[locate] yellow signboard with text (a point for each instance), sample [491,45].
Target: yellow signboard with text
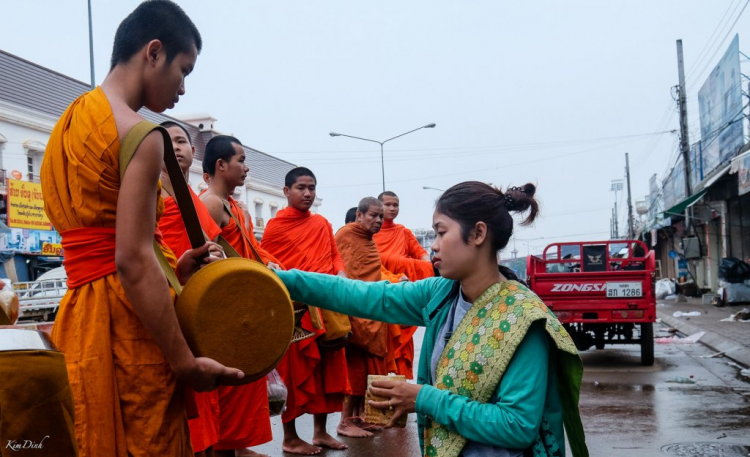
[26,206]
[52,249]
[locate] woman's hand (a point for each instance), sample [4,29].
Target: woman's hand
[195,259]
[401,397]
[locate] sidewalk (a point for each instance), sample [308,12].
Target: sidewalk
[732,338]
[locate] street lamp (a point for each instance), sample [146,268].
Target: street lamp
[433,188]
[381,143]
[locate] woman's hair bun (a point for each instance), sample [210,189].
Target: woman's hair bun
[520,199]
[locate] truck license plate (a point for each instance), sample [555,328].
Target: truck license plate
[624,289]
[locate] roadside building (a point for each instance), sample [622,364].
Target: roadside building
[32,98]
[694,221]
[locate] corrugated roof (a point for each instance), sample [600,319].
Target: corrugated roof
[37,88]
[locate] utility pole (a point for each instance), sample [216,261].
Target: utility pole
[616,187]
[91,49]
[684,140]
[630,205]
[617,228]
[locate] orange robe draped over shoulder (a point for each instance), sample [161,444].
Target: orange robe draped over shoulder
[367,350]
[401,253]
[244,416]
[316,380]
[127,402]
[204,429]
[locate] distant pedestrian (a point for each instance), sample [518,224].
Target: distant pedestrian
[351,215]
[498,373]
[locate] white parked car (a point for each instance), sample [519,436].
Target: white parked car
[40,299]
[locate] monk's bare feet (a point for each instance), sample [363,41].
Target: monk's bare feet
[347,428]
[247,453]
[364,425]
[326,440]
[300,447]
[368,426]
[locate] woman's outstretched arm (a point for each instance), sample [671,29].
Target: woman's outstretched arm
[400,303]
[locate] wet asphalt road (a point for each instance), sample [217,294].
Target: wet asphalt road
[627,409]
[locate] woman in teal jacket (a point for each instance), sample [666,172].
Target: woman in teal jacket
[498,374]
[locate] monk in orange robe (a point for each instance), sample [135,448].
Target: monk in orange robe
[367,351]
[401,253]
[244,416]
[204,420]
[316,378]
[116,325]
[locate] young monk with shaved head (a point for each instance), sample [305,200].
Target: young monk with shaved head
[203,407]
[315,375]
[116,324]
[400,252]
[243,410]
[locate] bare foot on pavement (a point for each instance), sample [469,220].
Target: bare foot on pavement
[300,447]
[347,428]
[328,441]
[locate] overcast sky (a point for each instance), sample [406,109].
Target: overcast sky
[553,93]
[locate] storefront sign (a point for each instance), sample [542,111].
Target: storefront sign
[26,241]
[721,112]
[26,206]
[52,249]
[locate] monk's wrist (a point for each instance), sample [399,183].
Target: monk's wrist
[183,363]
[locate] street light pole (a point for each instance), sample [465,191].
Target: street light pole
[91,49]
[381,143]
[433,188]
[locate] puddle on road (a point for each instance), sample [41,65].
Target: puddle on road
[711,407]
[611,387]
[706,449]
[648,410]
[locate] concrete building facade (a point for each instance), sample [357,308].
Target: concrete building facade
[32,98]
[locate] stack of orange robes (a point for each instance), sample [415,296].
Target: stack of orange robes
[204,428]
[127,402]
[244,416]
[401,253]
[317,381]
[367,350]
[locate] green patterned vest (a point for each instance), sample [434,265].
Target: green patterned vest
[476,356]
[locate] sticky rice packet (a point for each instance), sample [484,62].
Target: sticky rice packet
[381,416]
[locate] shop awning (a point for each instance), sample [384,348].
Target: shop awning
[712,180]
[679,209]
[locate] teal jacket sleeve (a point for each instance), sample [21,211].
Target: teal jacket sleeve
[513,422]
[400,303]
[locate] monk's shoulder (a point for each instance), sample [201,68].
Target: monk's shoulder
[321,221]
[406,231]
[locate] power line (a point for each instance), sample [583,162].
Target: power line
[703,54]
[478,170]
[511,147]
[720,43]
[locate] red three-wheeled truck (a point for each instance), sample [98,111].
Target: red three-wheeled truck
[602,291]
